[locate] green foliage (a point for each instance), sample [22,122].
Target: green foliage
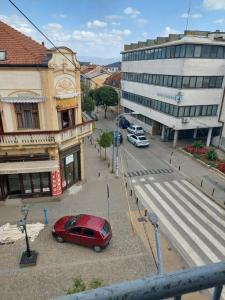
[197,144]
[105,140]
[106,96]
[211,155]
[88,104]
[96,283]
[78,286]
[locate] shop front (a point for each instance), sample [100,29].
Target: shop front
[26,179]
[70,166]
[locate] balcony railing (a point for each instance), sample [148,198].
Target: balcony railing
[45,137]
[168,285]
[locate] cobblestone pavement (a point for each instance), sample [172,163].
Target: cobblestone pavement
[127,257]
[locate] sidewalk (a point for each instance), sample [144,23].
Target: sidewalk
[128,256]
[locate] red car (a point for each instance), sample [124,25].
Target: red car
[85,230]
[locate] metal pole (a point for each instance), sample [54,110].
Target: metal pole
[113,152]
[159,256]
[27,241]
[117,150]
[217,292]
[108,199]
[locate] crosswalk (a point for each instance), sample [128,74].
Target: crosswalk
[193,222]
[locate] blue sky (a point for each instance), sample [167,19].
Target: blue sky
[100,28]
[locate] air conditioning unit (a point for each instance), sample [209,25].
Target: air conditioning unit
[185,120]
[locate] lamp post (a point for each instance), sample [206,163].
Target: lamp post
[154,220]
[28,257]
[117,137]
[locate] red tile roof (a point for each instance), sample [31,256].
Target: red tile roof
[19,48]
[114,80]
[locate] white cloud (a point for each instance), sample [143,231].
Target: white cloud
[19,23]
[219,21]
[61,16]
[142,21]
[82,35]
[56,33]
[115,23]
[192,16]
[52,26]
[113,17]
[144,34]
[132,12]
[96,24]
[214,4]
[169,30]
[124,32]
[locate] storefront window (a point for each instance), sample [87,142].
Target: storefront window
[14,184]
[45,181]
[26,183]
[36,182]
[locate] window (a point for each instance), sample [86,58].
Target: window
[213,53]
[192,111]
[2,55]
[182,51]
[197,51]
[163,52]
[27,115]
[105,229]
[181,111]
[206,51]
[192,81]
[204,110]
[212,82]
[170,78]
[219,81]
[174,83]
[165,80]
[199,82]
[185,83]
[187,111]
[168,52]
[189,51]
[220,52]
[179,82]
[177,51]
[75,230]
[205,82]
[214,110]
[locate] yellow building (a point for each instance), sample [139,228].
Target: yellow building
[41,123]
[96,77]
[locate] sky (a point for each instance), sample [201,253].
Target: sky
[100,28]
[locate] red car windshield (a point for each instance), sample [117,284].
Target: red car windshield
[71,222]
[105,229]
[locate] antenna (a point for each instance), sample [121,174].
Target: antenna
[188,14]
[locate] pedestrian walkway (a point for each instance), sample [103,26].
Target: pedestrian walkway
[188,217]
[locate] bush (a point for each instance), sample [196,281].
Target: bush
[194,150]
[211,155]
[197,144]
[96,283]
[221,167]
[78,286]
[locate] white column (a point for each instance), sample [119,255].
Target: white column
[176,132]
[195,133]
[163,133]
[209,137]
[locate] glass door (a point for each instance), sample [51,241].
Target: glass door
[70,174]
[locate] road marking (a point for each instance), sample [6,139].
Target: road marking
[142,180]
[175,233]
[183,225]
[133,157]
[195,223]
[151,178]
[199,213]
[208,200]
[133,180]
[196,200]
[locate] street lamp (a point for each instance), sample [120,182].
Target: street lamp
[117,137]
[28,257]
[154,220]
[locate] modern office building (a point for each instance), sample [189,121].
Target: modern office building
[176,85]
[41,123]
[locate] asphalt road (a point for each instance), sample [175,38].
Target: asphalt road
[192,222]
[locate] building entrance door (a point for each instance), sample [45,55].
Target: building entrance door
[3,187]
[69,174]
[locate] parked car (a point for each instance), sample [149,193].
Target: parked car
[123,122]
[135,129]
[117,137]
[86,230]
[138,140]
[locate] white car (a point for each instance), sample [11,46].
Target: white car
[138,140]
[135,129]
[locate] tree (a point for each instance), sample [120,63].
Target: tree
[88,104]
[105,140]
[106,96]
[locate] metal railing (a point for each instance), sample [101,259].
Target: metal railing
[163,286]
[45,137]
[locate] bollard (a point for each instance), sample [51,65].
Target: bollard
[126,185]
[130,192]
[46,215]
[99,174]
[201,182]
[213,191]
[146,211]
[137,200]
[109,165]
[179,168]
[170,160]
